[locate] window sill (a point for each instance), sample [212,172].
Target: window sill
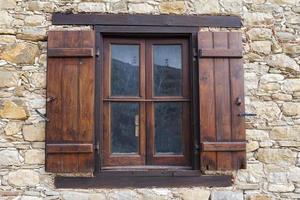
[142,179]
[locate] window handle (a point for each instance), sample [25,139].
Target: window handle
[137,125]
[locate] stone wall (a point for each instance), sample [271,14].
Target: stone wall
[272,84]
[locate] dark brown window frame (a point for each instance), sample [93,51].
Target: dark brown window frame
[146,25]
[141,31]
[146,106]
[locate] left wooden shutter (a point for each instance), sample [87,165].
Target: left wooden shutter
[70,101]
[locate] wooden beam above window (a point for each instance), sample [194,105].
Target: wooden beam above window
[146,20]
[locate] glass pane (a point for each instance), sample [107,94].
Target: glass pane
[123,127]
[167,70]
[168,123]
[125,70]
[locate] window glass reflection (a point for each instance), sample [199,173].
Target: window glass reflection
[167,70]
[125,70]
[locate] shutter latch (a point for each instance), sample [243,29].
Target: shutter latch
[246,114]
[40,114]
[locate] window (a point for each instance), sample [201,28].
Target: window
[144,101]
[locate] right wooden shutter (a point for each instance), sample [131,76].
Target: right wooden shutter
[221,91]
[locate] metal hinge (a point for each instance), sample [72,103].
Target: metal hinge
[199,52]
[97,52]
[195,53]
[197,148]
[97,146]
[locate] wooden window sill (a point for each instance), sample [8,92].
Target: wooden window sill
[142,179]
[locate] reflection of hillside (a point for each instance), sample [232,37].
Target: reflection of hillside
[168,127]
[167,80]
[125,81]
[123,129]
[125,78]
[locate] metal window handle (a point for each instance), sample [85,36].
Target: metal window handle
[137,125]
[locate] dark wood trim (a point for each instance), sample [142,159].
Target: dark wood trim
[98,103]
[147,100]
[150,168]
[195,101]
[145,20]
[220,53]
[152,30]
[223,146]
[70,52]
[143,179]
[69,148]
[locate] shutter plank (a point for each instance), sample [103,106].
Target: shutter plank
[70,148]
[70,111]
[70,52]
[207,91]
[222,90]
[54,81]
[86,102]
[70,93]
[223,146]
[74,114]
[222,53]
[237,90]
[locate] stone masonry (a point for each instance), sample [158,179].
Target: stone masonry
[271,43]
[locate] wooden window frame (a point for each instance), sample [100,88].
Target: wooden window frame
[122,159]
[190,33]
[161,26]
[146,100]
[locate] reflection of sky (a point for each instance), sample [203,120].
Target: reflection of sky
[167,55]
[126,53]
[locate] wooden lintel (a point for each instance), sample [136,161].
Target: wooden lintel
[146,20]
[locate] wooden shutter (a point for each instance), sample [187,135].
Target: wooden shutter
[70,101]
[221,90]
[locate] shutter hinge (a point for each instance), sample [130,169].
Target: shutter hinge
[197,148]
[97,146]
[199,52]
[97,52]
[195,53]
